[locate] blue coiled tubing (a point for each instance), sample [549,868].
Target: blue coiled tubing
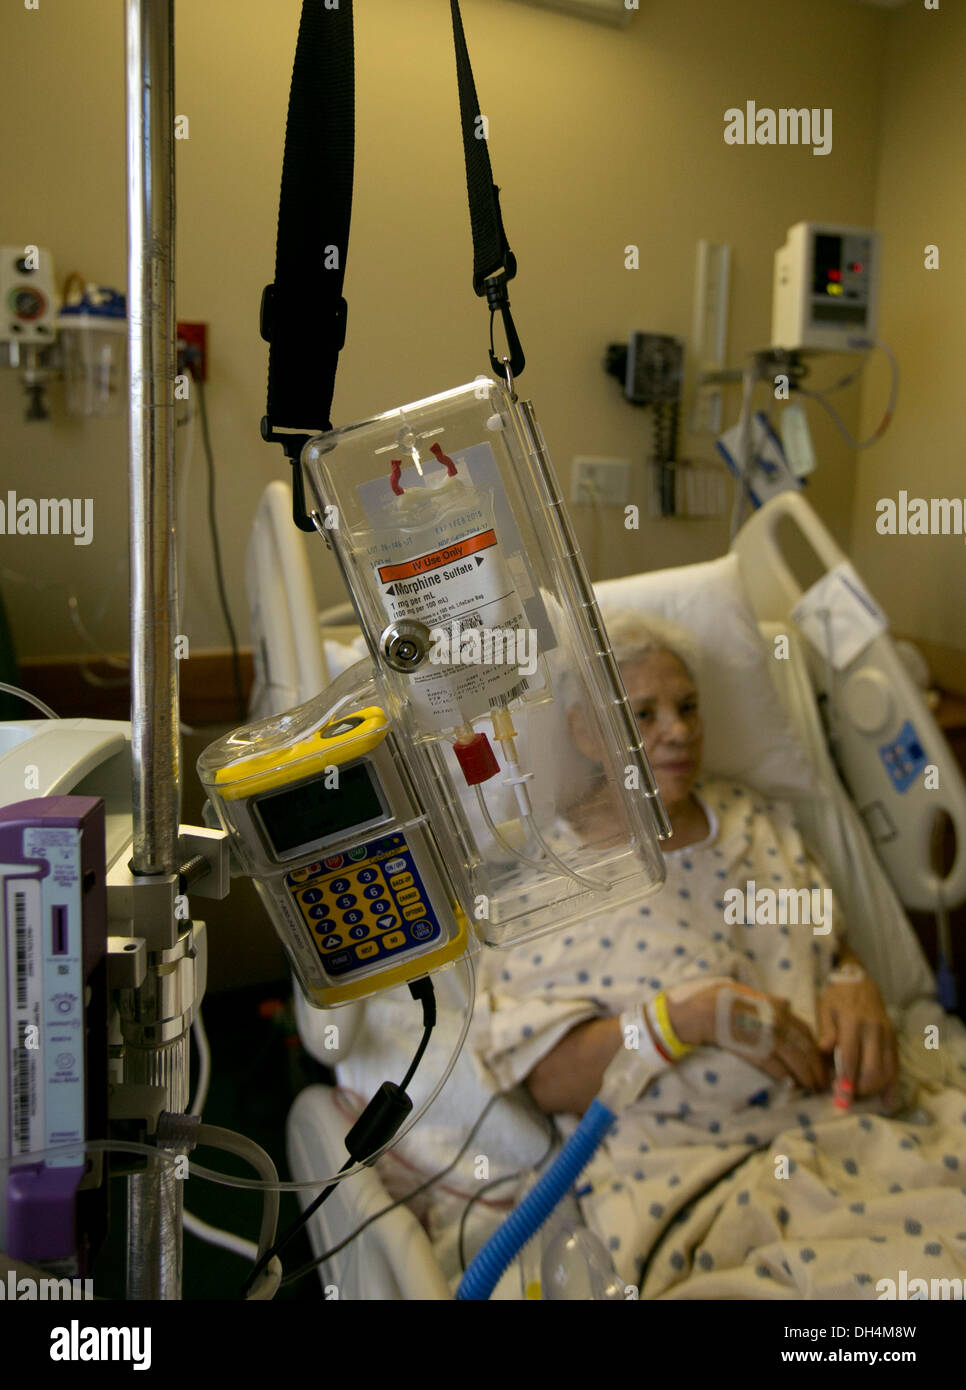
[484,1271]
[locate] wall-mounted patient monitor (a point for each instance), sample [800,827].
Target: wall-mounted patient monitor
[825,288]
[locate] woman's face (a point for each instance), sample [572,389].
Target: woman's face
[664,699]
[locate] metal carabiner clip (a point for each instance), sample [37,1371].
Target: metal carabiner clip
[495,288]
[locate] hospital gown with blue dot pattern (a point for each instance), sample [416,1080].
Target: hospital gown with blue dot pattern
[818,1213]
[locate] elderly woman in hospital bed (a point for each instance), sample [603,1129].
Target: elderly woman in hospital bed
[733,1173]
[762,1045]
[728,834]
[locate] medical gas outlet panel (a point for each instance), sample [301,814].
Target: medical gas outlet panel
[27,296]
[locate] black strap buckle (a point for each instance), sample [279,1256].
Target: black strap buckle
[337,323]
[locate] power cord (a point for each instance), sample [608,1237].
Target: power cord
[216,548]
[374,1128]
[407,1197]
[839,423]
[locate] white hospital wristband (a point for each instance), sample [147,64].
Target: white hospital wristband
[635,1065]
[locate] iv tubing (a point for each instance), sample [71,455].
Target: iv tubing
[250,1184]
[31,699]
[505,734]
[555,858]
[486,1268]
[499,837]
[531,825]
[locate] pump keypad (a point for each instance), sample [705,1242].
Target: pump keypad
[364,906]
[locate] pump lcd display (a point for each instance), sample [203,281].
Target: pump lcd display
[304,816]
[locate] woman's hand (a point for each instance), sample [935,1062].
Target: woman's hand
[853,1019]
[697,1016]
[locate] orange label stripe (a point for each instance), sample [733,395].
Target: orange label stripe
[422,563]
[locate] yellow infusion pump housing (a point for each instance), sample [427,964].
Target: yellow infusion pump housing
[328,825]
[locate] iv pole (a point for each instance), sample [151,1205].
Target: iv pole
[155,1024]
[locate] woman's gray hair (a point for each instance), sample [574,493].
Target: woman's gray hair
[634,634]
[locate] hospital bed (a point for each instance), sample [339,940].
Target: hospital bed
[868,817]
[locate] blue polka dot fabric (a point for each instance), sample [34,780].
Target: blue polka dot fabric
[827,1205]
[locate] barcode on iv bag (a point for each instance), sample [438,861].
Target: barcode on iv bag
[514,693]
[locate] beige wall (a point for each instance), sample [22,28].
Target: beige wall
[921,580]
[599,138]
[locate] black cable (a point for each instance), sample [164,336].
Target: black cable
[375,1127]
[422,990]
[335,1249]
[216,550]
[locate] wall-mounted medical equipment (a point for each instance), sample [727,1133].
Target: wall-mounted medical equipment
[93,335]
[825,292]
[825,299]
[86,341]
[28,320]
[53,1028]
[709,342]
[650,366]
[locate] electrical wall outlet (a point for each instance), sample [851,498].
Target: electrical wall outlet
[603,481]
[193,350]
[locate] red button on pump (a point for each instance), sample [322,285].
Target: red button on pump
[477,759]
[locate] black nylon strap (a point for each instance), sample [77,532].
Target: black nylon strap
[303,312]
[490,249]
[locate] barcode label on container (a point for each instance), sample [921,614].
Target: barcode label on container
[24,985]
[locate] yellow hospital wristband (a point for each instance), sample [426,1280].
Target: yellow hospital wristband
[662,1019]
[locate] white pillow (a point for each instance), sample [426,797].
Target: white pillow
[343,650]
[747,734]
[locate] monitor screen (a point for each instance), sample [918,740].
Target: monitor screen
[313,812]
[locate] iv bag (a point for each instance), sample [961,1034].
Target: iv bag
[436,558]
[491,658]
